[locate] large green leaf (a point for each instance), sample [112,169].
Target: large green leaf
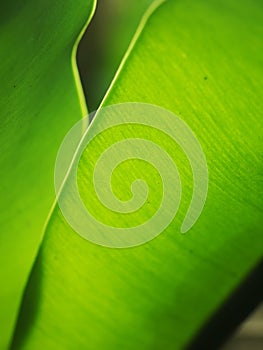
[202,60]
[39,102]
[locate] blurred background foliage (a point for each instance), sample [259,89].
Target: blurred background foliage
[105,43]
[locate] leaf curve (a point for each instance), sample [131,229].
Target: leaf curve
[188,59]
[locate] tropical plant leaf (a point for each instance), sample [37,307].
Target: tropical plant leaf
[202,60]
[39,102]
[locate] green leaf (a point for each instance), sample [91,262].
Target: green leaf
[39,102]
[203,61]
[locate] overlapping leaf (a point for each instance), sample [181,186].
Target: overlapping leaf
[39,102]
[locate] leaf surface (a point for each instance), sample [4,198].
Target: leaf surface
[39,102]
[202,60]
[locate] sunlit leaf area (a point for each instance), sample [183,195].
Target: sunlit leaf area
[131,207]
